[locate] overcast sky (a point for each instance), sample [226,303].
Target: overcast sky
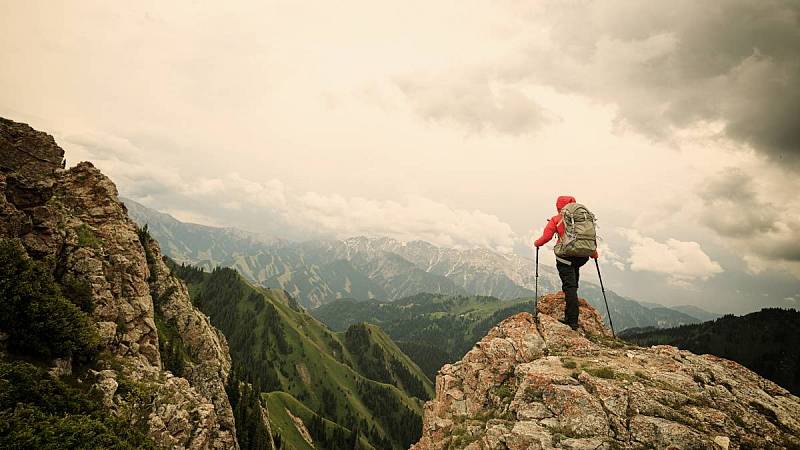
[677,123]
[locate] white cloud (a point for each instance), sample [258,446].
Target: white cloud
[301,215]
[414,218]
[757,264]
[192,217]
[683,262]
[608,255]
[270,194]
[475,102]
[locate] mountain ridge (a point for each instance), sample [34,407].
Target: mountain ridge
[322,271]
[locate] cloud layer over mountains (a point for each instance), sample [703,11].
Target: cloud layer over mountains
[457,123]
[273,208]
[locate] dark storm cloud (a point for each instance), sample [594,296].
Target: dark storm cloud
[672,64]
[665,65]
[753,48]
[788,250]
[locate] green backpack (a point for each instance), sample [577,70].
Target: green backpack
[580,236]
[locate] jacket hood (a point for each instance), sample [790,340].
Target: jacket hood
[563,201]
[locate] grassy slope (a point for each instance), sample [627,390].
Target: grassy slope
[267,331]
[277,405]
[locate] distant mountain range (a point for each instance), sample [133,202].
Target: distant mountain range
[383,269]
[695,311]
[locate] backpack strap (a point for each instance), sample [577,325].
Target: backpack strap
[563,261]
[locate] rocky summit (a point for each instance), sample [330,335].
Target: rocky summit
[537,384]
[71,221]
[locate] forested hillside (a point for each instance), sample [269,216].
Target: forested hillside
[767,342]
[344,387]
[431,329]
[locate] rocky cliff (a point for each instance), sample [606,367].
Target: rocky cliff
[72,221]
[536,384]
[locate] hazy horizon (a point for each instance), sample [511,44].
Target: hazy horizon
[457,123]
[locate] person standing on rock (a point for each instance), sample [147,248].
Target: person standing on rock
[576,244]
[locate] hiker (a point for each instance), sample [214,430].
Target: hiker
[569,250]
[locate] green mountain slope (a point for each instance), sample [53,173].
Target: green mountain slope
[378,358]
[767,342]
[328,281]
[432,329]
[318,432]
[357,379]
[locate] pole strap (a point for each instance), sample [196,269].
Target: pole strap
[563,261]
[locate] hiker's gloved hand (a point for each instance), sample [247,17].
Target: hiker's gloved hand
[595,255]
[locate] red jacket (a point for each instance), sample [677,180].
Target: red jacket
[556,225]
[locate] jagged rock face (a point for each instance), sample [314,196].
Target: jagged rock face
[211,360]
[27,152]
[530,385]
[74,220]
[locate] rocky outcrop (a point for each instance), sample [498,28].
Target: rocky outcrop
[589,319]
[73,220]
[209,359]
[538,385]
[301,427]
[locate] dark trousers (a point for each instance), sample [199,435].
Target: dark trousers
[570,274]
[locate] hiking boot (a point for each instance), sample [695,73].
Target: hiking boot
[574,326]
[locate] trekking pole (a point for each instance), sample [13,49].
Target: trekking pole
[608,311]
[536,298]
